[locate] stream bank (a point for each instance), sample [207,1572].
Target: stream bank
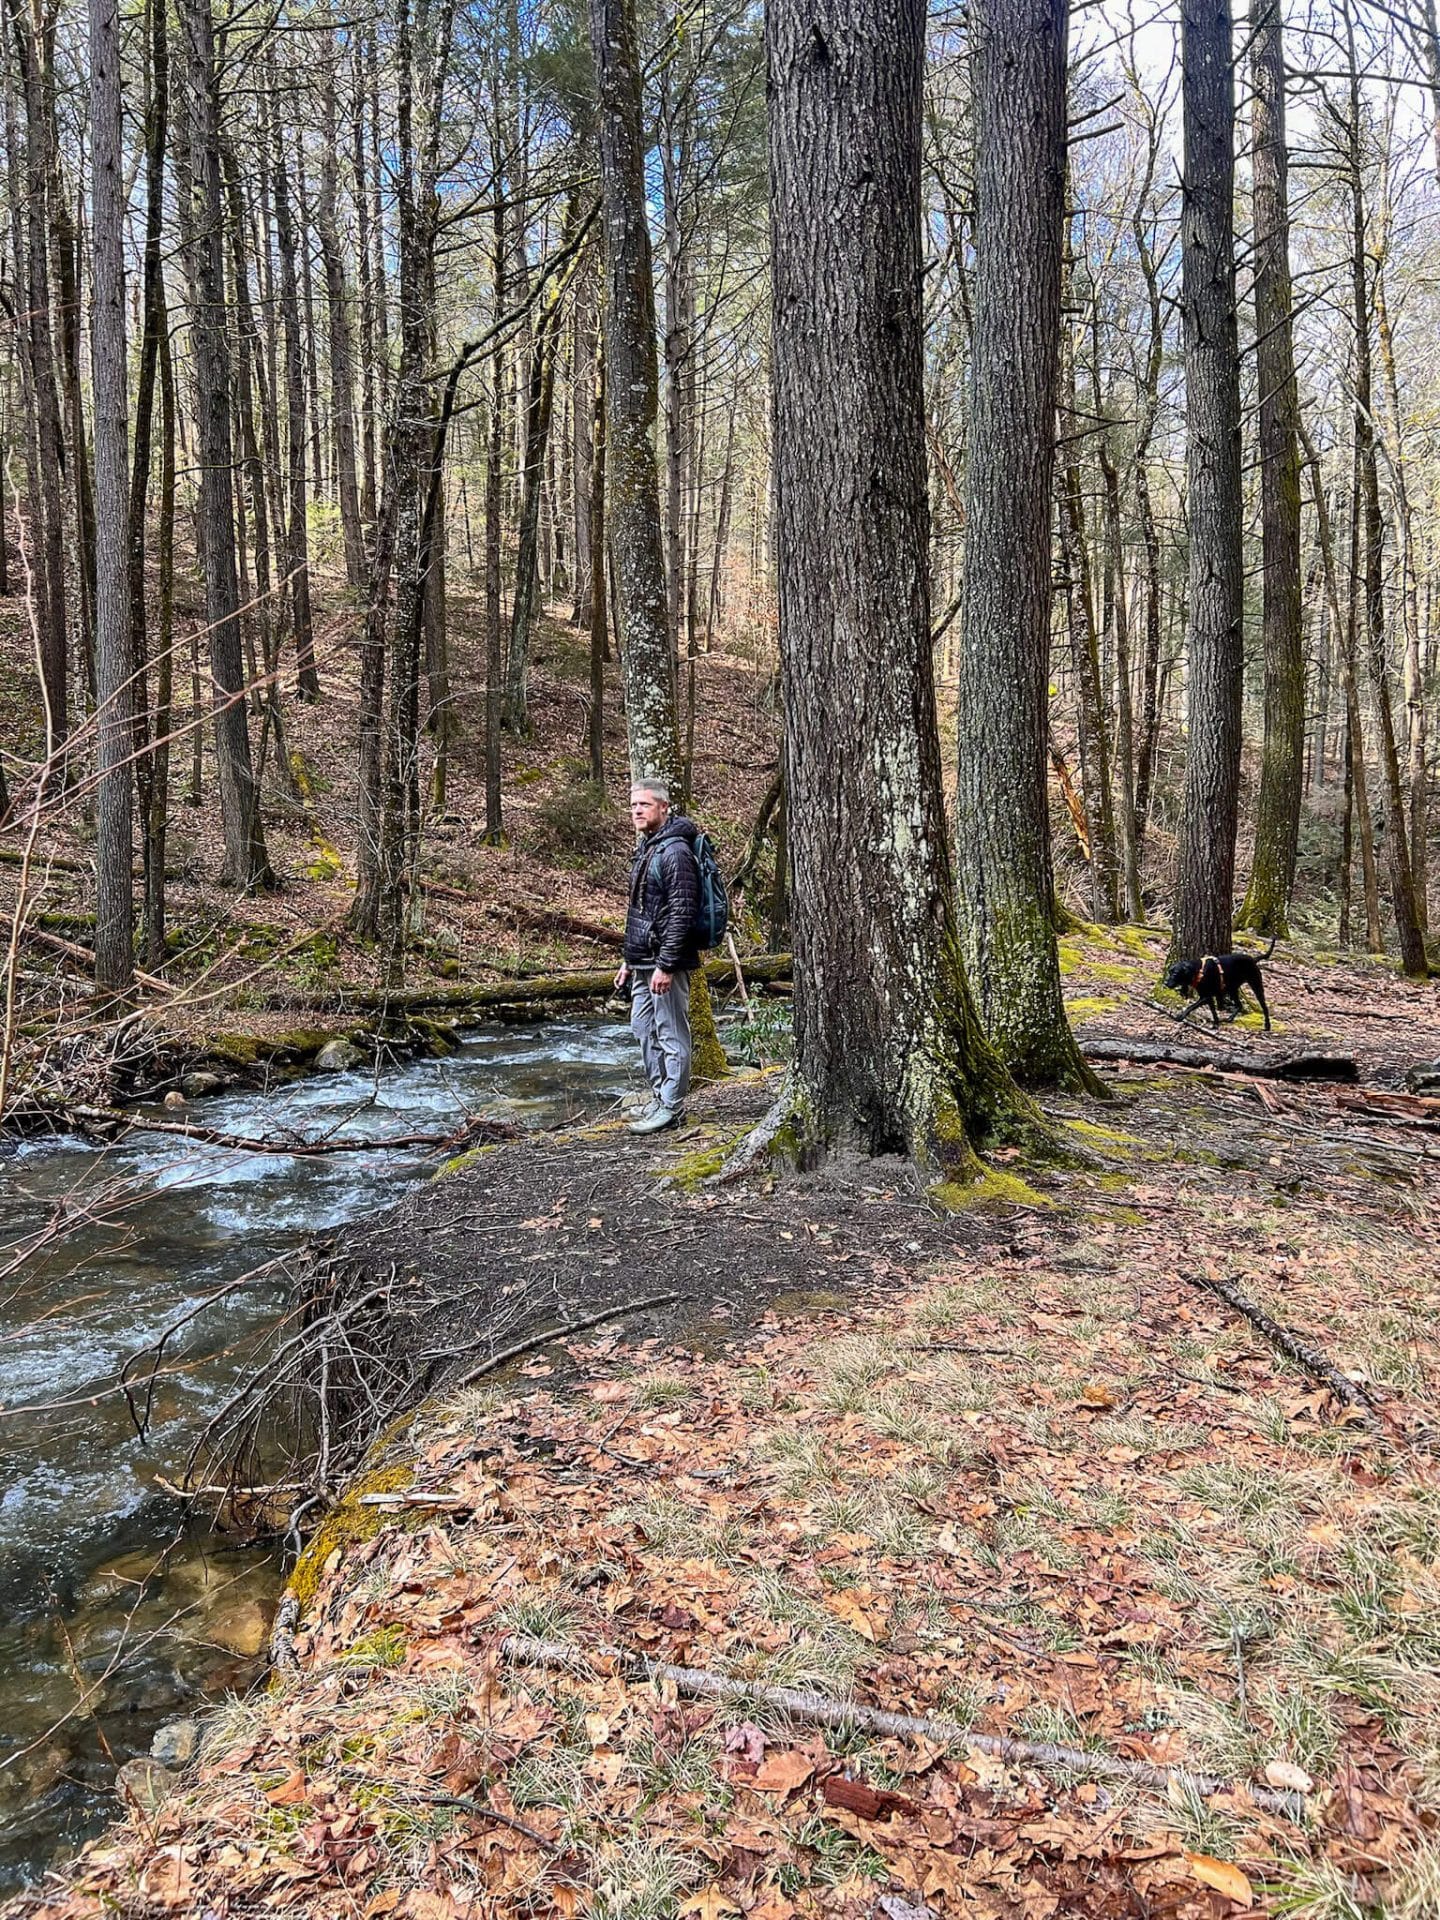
[114,1596]
[1008,1471]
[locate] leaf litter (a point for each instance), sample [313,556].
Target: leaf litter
[1036,1484]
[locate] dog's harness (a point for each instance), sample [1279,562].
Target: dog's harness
[1208,961]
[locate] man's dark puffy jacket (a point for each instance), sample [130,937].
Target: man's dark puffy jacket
[664,906]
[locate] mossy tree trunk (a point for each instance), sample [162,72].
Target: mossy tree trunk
[1277,821]
[890,1054]
[1003,863]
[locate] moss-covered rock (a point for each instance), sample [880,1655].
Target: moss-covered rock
[347,1524]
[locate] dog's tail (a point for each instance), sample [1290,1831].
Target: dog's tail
[1271,948]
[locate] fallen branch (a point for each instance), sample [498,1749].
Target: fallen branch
[83,957]
[558,1333]
[459,1137]
[1293,1347]
[553,920]
[495,996]
[1294,1066]
[815,1709]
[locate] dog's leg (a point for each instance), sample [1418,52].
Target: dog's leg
[1259,993]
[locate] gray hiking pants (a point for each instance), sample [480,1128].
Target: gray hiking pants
[661,1023]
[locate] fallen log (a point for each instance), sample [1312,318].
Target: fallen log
[495,996]
[1293,1346]
[1292,1066]
[552,920]
[83,957]
[816,1709]
[88,1118]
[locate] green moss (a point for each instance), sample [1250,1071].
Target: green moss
[691,1170]
[1102,1136]
[1071,954]
[1113,1182]
[991,1187]
[383,1648]
[1112,970]
[458,1162]
[240,1049]
[347,1524]
[1091,1006]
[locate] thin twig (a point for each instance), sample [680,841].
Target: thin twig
[559,1333]
[1293,1347]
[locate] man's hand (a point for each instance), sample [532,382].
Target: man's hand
[660,981]
[622,974]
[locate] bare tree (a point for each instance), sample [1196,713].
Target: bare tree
[1277,822]
[114,889]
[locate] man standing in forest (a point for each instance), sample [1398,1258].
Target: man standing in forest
[661,950]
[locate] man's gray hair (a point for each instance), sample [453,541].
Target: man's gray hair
[657,789]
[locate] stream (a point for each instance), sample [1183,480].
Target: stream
[117,1611]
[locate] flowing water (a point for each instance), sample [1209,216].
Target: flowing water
[116,1613]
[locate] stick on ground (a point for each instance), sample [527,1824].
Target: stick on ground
[815,1709]
[1293,1347]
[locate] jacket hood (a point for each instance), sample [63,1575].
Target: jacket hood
[678,827]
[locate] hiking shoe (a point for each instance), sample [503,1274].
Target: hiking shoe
[656,1120]
[638,1105]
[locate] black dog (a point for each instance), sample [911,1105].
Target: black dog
[1216,980]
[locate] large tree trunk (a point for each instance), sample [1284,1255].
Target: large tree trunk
[1204,892]
[1277,822]
[47,507]
[494,501]
[246,864]
[889,1051]
[114,887]
[151,750]
[1002,833]
[582,400]
[637,554]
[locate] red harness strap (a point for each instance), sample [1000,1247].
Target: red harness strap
[1209,960]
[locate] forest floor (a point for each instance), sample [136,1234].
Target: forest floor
[1015,1470]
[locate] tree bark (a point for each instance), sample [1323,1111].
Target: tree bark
[889,1050]
[1277,822]
[582,394]
[595,498]
[1204,893]
[637,554]
[337,311]
[1002,838]
[247,864]
[1397,839]
[297,539]
[152,754]
[47,498]
[494,500]
[114,886]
